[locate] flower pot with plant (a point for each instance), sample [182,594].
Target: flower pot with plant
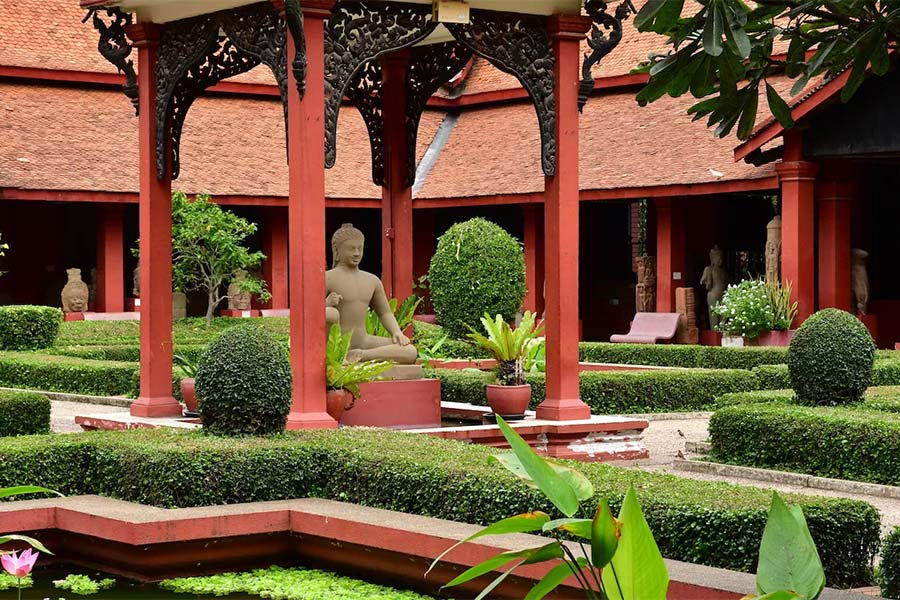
[187,368]
[754,312]
[342,377]
[510,347]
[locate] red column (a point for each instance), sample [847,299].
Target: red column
[561,204]
[670,236]
[275,247]
[396,195]
[798,225]
[833,198]
[155,213]
[306,226]
[533,243]
[110,260]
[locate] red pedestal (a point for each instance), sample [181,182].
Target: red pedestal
[670,236]
[409,404]
[155,399]
[275,247]
[833,198]
[871,323]
[239,314]
[73,316]
[561,205]
[110,260]
[306,227]
[533,225]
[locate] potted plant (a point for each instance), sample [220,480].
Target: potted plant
[756,313]
[510,396]
[783,314]
[342,377]
[188,370]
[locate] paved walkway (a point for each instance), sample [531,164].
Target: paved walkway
[62,414]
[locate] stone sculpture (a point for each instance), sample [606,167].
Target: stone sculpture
[859,279]
[645,291]
[715,280]
[350,293]
[773,251]
[136,282]
[686,305]
[75,294]
[238,299]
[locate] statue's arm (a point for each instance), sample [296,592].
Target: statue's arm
[705,279]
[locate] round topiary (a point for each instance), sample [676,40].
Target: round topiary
[243,383]
[890,565]
[478,267]
[28,327]
[830,359]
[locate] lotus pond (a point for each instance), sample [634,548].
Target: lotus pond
[274,583]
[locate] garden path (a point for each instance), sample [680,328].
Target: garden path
[62,414]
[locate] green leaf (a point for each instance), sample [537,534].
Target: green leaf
[647,13]
[748,116]
[637,566]
[581,485]
[857,75]
[22,538]
[779,108]
[605,533]
[579,527]
[530,556]
[779,595]
[524,523]
[552,580]
[881,62]
[788,559]
[713,30]
[25,489]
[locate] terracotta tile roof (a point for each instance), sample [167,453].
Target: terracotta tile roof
[79,139]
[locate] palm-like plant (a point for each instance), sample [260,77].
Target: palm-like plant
[343,375]
[508,346]
[404,313]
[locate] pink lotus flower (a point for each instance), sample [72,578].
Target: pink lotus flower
[19,565]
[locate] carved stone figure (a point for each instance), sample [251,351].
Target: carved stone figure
[686,305]
[773,251]
[645,291]
[238,299]
[75,294]
[136,281]
[350,293]
[179,305]
[715,280]
[859,279]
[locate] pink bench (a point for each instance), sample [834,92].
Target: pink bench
[650,328]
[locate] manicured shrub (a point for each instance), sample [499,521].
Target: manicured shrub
[610,392]
[889,578]
[478,267]
[122,352]
[711,523]
[244,383]
[67,374]
[757,397]
[772,377]
[830,359]
[28,327]
[191,331]
[677,355]
[24,413]
[847,443]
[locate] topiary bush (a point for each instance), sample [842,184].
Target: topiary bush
[830,359]
[28,327]
[24,413]
[889,578]
[244,383]
[477,268]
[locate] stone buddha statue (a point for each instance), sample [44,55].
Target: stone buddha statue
[715,280]
[350,293]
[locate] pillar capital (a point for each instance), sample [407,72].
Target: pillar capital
[143,35]
[797,170]
[568,26]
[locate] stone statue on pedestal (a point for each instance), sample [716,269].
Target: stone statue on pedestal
[350,293]
[859,279]
[239,299]
[136,282]
[75,294]
[645,291]
[773,251]
[715,280]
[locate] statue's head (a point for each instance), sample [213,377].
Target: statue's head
[347,246]
[715,256]
[74,274]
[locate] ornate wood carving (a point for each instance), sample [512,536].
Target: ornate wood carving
[356,33]
[197,53]
[366,91]
[115,47]
[601,41]
[429,68]
[519,45]
[294,19]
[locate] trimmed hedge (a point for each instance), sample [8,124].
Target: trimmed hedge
[67,374]
[889,578]
[610,392]
[710,523]
[185,331]
[25,327]
[777,377]
[678,355]
[122,352]
[23,413]
[842,442]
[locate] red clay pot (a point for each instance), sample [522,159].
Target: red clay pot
[773,338]
[338,401]
[509,401]
[188,395]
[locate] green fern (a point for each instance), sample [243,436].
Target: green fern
[508,346]
[342,375]
[404,315]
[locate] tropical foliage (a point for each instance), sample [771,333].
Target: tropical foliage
[404,314]
[341,374]
[508,346]
[753,307]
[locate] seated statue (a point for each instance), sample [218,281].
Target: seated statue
[350,293]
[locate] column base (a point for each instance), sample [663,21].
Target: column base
[301,421]
[572,409]
[239,314]
[166,406]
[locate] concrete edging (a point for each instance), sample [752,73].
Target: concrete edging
[121,402]
[786,477]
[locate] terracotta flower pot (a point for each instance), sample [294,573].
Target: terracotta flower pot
[338,401]
[773,338]
[509,401]
[188,395]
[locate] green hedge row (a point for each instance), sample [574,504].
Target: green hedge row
[27,327]
[68,374]
[855,443]
[709,523]
[776,377]
[610,392]
[184,331]
[23,413]
[675,355]
[122,352]
[889,578]
[883,399]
